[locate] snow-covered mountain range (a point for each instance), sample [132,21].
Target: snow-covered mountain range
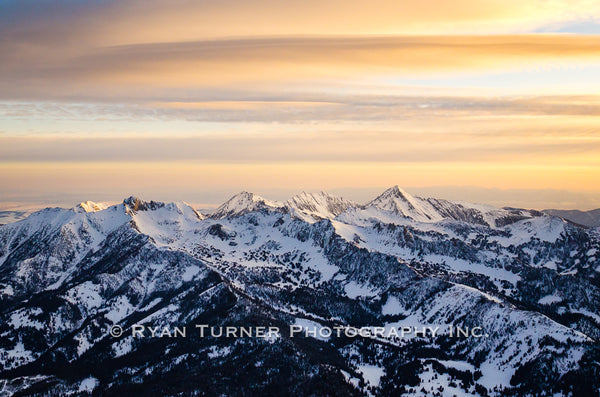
[528,279]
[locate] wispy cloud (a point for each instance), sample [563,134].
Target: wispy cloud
[303,107]
[154,70]
[542,145]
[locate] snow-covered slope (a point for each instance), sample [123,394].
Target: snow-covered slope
[316,206]
[242,203]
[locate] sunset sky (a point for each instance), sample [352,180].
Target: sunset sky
[493,101]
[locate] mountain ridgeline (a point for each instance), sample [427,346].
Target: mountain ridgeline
[528,282]
[586,218]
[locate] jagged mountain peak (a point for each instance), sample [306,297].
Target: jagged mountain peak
[320,196]
[395,191]
[243,203]
[245,196]
[307,195]
[134,203]
[398,201]
[318,205]
[90,206]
